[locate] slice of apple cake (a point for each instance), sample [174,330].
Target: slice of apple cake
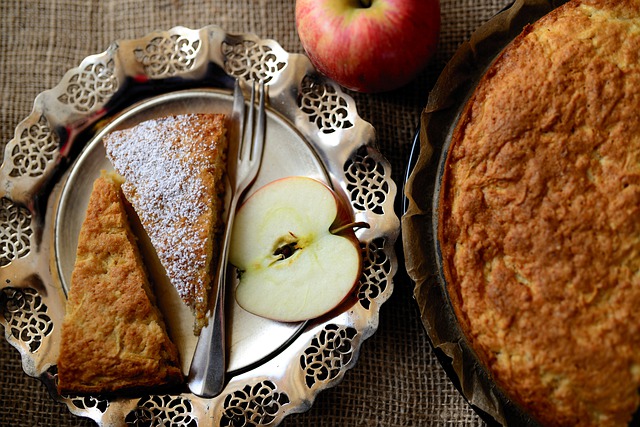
[173,169]
[113,336]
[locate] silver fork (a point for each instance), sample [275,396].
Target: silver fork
[208,366]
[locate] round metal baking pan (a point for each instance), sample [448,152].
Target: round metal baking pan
[420,221]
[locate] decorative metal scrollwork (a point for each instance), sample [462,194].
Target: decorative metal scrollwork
[330,350]
[83,403]
[33,149]
[26,316]
[366,182]
[15,232]
[162,411]
[255,405]
[89,402]
[91,87]
[323,105]
[252,61]
[376,272]
[168,56]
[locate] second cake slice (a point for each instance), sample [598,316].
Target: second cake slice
[173,169]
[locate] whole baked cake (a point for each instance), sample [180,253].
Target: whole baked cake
[174,170]
[539,216]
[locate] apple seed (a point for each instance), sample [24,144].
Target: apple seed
[285,251]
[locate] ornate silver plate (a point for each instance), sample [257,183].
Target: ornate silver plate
[46,175]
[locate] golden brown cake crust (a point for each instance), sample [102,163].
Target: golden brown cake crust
[540,216]
[173,169]
[113,336]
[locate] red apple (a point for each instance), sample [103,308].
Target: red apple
[369,45]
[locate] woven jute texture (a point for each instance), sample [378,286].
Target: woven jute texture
[397,380]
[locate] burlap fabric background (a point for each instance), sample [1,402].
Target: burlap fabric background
[397,380]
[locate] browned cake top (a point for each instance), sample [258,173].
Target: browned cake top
[540,216]
[173,169]
[113,336]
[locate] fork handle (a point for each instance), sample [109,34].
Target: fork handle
[210,354]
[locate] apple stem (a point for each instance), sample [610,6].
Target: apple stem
[355,225]
[365,3]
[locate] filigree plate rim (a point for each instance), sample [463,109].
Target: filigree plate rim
[47,140]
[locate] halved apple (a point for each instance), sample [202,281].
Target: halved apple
[294,245]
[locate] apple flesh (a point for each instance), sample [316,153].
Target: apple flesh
[369,45]
[292,267]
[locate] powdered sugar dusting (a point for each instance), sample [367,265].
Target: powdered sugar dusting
[164,163]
